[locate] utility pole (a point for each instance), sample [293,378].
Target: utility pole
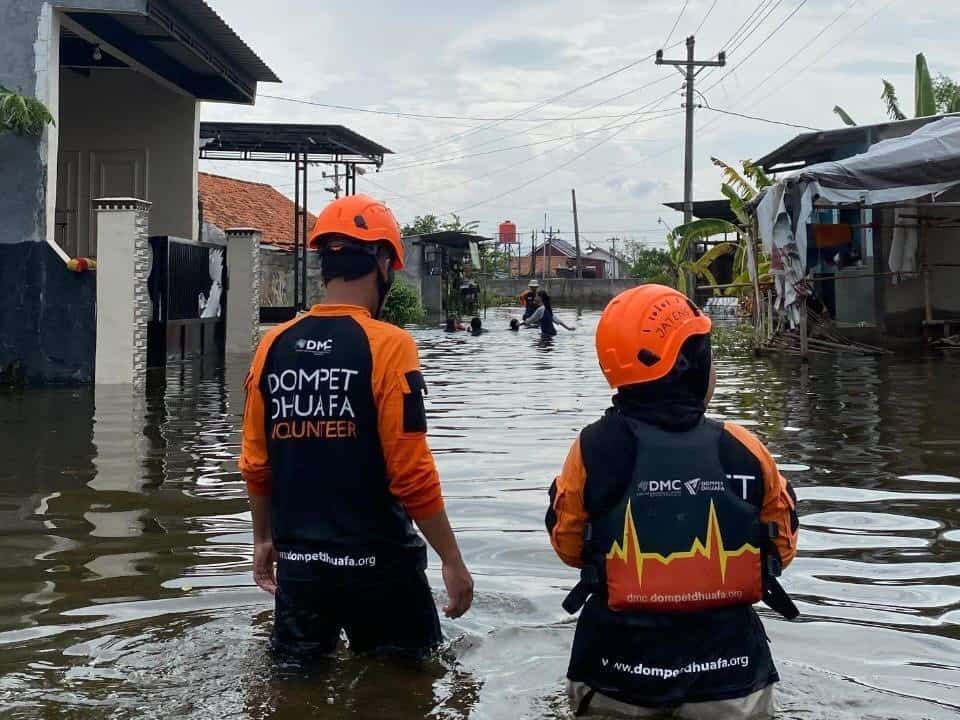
[576,233]
[690,68]
[546,255]
[613,257]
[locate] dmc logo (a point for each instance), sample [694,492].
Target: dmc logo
[665,486]
[317,347]
[692,485]
[643,486]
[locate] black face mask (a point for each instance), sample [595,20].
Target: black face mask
[383,288]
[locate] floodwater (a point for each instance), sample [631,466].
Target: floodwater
[125,589]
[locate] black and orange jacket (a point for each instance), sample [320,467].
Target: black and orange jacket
[334,432]
[577,493]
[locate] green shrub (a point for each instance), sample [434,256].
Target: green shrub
[403,306]
[22,115]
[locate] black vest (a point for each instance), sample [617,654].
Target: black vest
[331,500]
[674,559]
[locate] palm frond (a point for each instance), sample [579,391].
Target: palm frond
[889,97]
[737,206]
[847,120]
[924,96]
[709,257]
[732,177]
[755,172]
[954,105]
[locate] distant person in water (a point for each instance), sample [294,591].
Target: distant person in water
[454,324]
[528,298]
[544,318]
[476,326]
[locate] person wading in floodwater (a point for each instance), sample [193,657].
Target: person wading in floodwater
[336,461]
[544,318]
[679,525]
[528,298]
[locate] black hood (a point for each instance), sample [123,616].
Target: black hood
[674,402]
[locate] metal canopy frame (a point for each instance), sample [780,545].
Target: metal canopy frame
[302,145]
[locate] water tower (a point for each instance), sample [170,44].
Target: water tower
[508,233]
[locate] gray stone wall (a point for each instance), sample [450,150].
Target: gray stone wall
[276,278]
[589,292]
[23,183]
[142,262]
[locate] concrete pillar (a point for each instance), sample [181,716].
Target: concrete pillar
[243,295]
[123,300]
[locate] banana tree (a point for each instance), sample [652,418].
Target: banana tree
[929,97]
[22,115]
[740,188]
[683,237]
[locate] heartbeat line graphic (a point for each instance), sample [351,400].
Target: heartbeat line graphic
[707,567]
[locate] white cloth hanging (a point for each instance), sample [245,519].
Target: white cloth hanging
[903,249]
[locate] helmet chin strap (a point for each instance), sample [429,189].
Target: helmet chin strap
[383,287]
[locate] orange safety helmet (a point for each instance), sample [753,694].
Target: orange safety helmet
[360,218]
[641,332]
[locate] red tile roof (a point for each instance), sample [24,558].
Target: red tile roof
[228,202]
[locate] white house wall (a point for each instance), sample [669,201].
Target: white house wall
[122,111]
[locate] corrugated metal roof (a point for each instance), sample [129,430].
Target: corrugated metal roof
[562,246]
[284,138]
[814,147]
[206,21]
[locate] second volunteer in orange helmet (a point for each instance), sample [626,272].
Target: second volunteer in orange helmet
[336,461]
[678,523]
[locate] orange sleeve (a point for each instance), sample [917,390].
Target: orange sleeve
[779,501]
[567,516]
[254,461]
[412,473]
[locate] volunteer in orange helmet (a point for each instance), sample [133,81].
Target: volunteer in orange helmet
[678,523]
[336,461]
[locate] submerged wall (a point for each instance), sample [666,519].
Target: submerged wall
[47,317]
[591,292]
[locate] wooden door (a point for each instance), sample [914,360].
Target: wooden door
[116,174]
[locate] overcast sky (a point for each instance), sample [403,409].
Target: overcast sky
[494,59]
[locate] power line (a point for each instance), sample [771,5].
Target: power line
[676,22]
[537,106]
[447,187]
[419,116]
[753,117]
[817,35]
[831,48]
[443,161]
[551,171]
[736,33]
[705,18]
[574,115]
[762,43]
[757,25]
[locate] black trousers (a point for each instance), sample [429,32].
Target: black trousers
[390,613]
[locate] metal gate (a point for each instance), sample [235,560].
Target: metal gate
[188,285]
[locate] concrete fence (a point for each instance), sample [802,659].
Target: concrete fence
[566,291]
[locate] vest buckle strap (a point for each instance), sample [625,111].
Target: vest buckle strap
[776,598]
[577,598]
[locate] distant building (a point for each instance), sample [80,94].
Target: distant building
[558,258]
[614,266]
